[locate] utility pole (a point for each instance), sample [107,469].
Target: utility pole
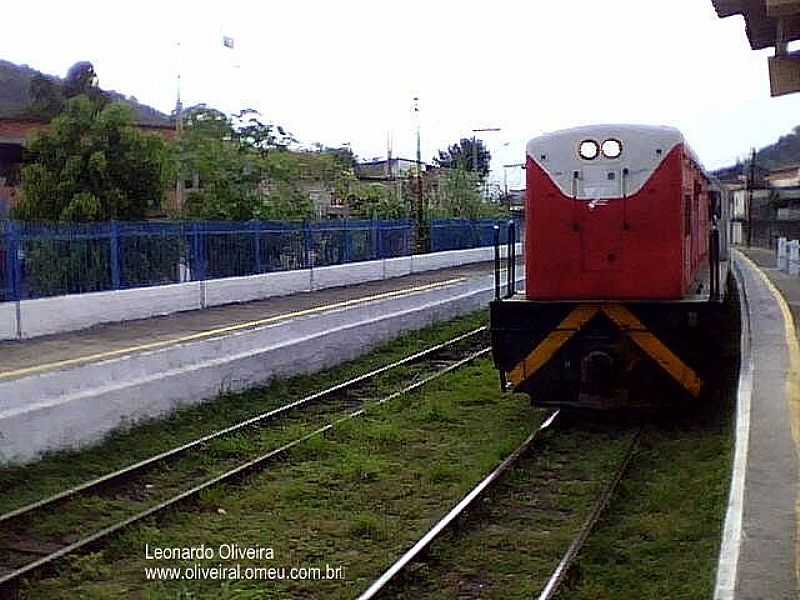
[475,146]
[750,184]
[422,237]
[178,136]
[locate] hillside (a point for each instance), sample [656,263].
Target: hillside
[784,152]
[15,95]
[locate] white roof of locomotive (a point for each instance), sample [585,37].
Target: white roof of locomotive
[644,147]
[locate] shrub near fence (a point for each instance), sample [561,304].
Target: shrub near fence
[38,260]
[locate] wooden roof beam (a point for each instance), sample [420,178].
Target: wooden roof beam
[783,8]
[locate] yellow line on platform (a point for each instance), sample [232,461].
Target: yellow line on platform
[71,362]
[792,379]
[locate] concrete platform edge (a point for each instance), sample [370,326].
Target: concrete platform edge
[759,553]
[732,529]
[87,416]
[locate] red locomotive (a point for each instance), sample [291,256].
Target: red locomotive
[626,269]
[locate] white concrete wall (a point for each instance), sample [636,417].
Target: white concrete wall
[398,267]
[69,313]
[79,406]
[255,287]
[43,316]
[8,320]
[347,274]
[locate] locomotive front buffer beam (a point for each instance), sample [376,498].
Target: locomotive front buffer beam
[604,355]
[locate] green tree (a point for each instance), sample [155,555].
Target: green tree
[93,165]
[374,201]
[245,170]
[253,132]
[49,95]
[464,154]
[460,197]
[228,174]
[285,202]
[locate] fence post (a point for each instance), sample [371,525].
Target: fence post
[199,260]
[17,287]
[306,245]
[114,241]
[11,259]
[195,254]
[376,237]
[348,251]
[257,240]
[198,252]
[496,262]
[15,274]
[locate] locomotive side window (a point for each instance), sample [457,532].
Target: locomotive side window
[612,148]
[588,149]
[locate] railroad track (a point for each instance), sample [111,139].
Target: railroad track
[418,551]
[555,581]
[26,547]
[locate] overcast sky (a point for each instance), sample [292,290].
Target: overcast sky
[346,70]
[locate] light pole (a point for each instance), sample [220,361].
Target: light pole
[475,145]
[505,178]
[422,238]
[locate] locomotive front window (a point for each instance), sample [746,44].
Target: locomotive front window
[588,149]
[612,148]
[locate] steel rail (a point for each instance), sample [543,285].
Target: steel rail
[12,577]
[557,578]
[178,450]
[465,503]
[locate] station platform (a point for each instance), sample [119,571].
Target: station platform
[114,340]
[759,557]
[67,390]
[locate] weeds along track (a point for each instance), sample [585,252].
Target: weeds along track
[553,586]
[515,496]
[80,518]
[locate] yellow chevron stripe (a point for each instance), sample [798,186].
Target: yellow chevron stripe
[651,345]
[540,355]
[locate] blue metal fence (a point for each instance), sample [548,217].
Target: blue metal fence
[39,260]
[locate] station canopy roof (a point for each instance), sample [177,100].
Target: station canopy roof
[763,19]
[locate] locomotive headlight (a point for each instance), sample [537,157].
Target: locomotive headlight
[612,148]
[588,149]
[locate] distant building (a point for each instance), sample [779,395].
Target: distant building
[774,198]
[394,174]
[382,170]
[18,125]
[516,200]
[784,177]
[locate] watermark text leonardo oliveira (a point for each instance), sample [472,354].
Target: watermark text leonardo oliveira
[229,562]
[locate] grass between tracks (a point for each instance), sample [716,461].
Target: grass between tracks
[58,471]
[354,499]
[661,536]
